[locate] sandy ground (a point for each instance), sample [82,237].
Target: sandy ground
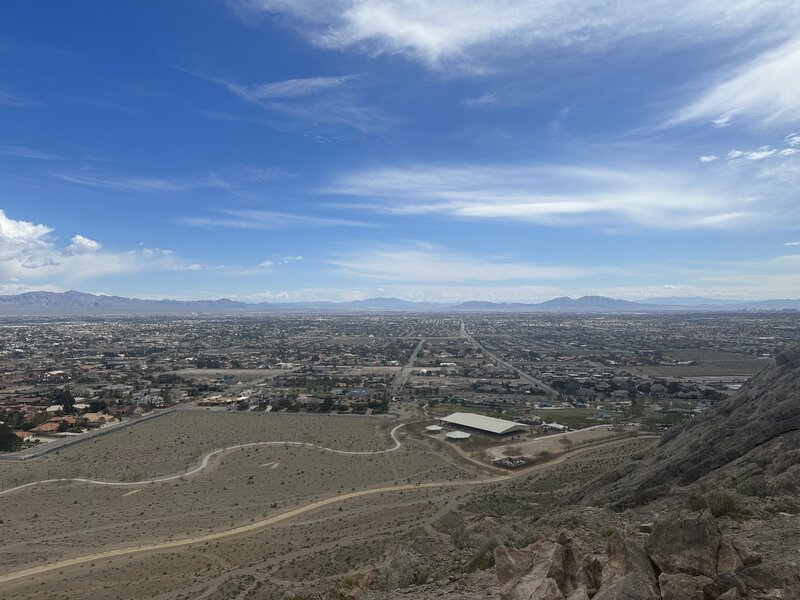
[44,524]
[555,442]
[56,521]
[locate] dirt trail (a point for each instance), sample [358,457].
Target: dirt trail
[205,461]
[266,522]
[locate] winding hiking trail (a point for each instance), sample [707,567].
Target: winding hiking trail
[204,463]
[284,516]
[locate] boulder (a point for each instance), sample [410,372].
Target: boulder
[680,586]
[580,593]
[746,553]
[728,558]
[687,543]
[533,588]
[731,594]
[629,575]
[532,572]
[761,578]
[511,563]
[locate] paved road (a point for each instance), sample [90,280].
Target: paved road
[405,372]
[48,447]
[266,522]
[204,464]
[549,392]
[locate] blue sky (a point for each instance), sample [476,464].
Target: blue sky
[307,149]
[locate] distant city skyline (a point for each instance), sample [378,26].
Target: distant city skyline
[263,150]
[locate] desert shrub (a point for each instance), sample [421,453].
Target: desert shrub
[755,487]
[721,504]
[482,560]
[606,532]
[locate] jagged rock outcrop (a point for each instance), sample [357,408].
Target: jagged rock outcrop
[686,557]
[547,570]
[764,412]
[628,574]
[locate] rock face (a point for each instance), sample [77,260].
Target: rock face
[546,570]
[765,410]
[688,544]
[687,557]
[628,573]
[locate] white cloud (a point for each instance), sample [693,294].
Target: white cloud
[764,89]
[792,244]
[764,152]
[289,88]
[708,158]
[315,100]
[267,220]
[422,262]
[760,154]
[23,152]
[7,99]
[552,194]
[141,184]
[466,34]
[29,254]
[82,245]
[793,140]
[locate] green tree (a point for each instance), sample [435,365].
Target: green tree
[63,397]
[8,441]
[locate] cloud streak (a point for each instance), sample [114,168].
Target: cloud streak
[451,33]
[422,262]
[328,100]
[558,195]
[764,91]
[141,184]
[24,152]
[267,220]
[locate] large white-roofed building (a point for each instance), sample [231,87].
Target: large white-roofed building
[484,424]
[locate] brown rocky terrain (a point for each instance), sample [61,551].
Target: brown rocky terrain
[759,426]
[711,512]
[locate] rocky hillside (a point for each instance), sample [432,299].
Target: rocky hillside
[753,435]
[711,512]
[688,556]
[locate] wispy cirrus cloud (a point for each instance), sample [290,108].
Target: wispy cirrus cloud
[15,101]
[561,195]
[267,220]
[424,262]
[25,152]
[289,88]
[326,100]
[141,184]
[763,91]
[472,35]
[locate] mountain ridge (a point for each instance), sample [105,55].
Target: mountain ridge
[72,301]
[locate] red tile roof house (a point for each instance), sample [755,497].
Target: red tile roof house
[48,428]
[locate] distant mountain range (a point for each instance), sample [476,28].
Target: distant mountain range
[72,302]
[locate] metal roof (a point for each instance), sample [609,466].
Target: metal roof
[489,424]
